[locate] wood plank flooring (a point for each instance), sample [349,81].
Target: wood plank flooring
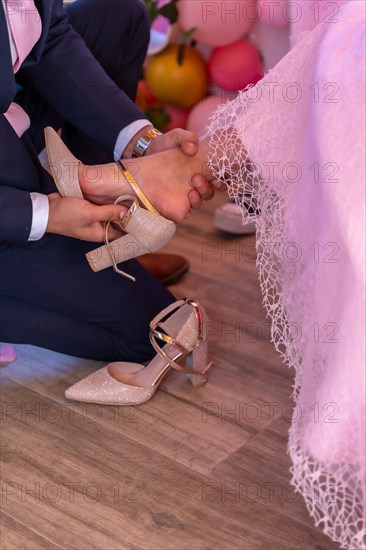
[192,469]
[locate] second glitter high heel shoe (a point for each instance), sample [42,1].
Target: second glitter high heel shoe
[181,327]
[147,231]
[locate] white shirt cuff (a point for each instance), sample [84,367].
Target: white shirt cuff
[125,136]
[40,216]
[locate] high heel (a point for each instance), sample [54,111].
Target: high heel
[181,327]
[147,231]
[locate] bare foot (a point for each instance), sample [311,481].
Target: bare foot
[165,178]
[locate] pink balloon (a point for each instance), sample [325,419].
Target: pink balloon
[200,114]
[305,16]
[235,66]
[218,23]
[178,117]
[274,12]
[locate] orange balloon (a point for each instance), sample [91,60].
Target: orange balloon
[178,85]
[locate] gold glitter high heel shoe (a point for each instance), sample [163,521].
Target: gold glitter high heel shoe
[147,231]
[181,327]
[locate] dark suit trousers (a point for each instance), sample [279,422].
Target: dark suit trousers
[49,295]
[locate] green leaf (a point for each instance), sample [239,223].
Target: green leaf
[186,35]
[158,117]
[170,11]
[152,9]
[180,56]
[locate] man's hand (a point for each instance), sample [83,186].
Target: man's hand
[187,141]
[165,178]
[82,220]
[189,145]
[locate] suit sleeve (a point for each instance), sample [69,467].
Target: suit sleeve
[20,174]
[15,215]
[70,79]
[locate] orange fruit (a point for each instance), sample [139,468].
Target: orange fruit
[178,85]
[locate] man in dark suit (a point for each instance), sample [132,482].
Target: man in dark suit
[83,82]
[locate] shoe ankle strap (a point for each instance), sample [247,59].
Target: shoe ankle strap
[162,335]
[123,224]
[136,188]
[165,313]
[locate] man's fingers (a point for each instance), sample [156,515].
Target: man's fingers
[113,233]
[189,144]
[188,141]
[110,212]
[177,138]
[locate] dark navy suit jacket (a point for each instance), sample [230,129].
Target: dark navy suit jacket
[61,69]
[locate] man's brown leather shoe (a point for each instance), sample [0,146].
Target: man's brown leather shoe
[167,268]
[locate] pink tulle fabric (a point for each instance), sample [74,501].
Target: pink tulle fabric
[293,148]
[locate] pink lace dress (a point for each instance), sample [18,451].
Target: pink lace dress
[293,147]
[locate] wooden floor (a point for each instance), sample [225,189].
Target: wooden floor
[191,469]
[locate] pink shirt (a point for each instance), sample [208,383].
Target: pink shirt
[24,29]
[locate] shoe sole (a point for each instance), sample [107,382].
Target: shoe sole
[231,224]
[176,276]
